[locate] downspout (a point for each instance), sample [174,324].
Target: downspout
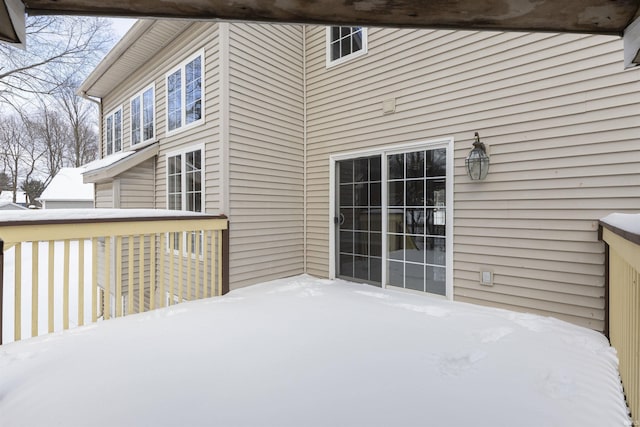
[97,101]
[223,136]
[304,145]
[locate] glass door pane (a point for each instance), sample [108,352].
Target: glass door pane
[416,220]
[359,220]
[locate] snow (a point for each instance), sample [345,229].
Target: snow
[106,161]
[305,351]
[625,222]
[92,214]
[21,196]
[68,185]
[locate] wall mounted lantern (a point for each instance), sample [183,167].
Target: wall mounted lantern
[477,161]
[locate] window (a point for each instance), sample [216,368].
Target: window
[184,94]
[344,43]
[184,185]
[114,131]
[184,181]
[143,116]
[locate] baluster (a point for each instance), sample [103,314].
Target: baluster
[80,282]
[65,287]
[17,326]
[35,246]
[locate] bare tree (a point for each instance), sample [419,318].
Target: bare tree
[12,142]
[82,146]
[49,134]
[57,49]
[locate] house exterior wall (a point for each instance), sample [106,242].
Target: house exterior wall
[199,36]
[68,204]
[104,195]
[266,125]
[137,186]
[561,120]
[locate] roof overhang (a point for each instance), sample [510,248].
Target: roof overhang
[12,24]
[111,170]
[583,16]
[136,48]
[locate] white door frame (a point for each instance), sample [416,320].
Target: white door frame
[384,152]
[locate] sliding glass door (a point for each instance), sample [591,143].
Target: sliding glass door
[359,219]
[391,219]
[416,217]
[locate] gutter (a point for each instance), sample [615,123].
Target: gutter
[83,94]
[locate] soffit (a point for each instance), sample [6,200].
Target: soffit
[134,50]
[589,16]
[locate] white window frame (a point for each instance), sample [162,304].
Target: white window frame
[183,111]
[140,95]
[183,183]
[182,153]
[331,63]
[113,131]
[384,152]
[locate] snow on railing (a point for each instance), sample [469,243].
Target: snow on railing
[64,268]
[621,233]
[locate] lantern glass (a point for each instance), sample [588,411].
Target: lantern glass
[477,163]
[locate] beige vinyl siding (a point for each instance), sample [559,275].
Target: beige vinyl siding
[561,119]
[196,37]
[104,195]
[199,36]
[137,186]
[265,152]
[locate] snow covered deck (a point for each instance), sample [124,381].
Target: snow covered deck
[309,352]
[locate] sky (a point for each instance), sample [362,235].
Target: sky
[121,25]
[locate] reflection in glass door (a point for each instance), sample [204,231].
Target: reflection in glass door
[359,220]
[416,220]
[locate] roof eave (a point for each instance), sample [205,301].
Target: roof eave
[107,173]
[137,30]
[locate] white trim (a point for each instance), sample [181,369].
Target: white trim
[106,117]
[384,152]
[223,99]
[183,111]
[332,63]
[143,141]
[181,152]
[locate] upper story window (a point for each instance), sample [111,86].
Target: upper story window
[345,43]
[143,116]
[113,129]
[184,93]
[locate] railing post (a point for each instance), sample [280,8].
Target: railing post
[225,259]
[1,285]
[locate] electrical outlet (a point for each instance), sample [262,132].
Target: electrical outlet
[486,278]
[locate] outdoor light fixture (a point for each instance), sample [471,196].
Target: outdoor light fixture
[477,161]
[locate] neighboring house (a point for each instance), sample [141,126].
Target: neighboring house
[21,197]
[341,152]
[67,191]
[8,205]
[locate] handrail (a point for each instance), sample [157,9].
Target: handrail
[137,253]
[622,258]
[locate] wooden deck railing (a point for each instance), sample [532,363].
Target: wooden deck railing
[623,284]
[57,273]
